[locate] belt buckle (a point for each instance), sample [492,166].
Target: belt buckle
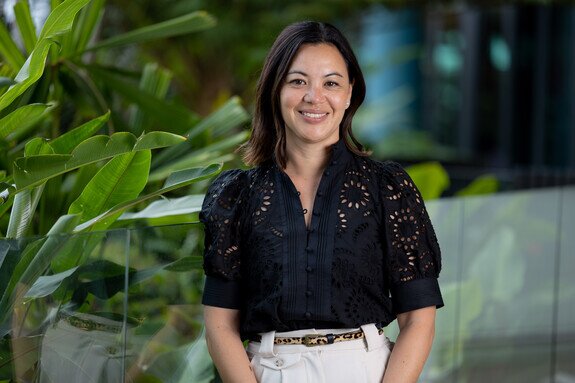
[307,340]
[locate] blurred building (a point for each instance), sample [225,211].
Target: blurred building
[480,88]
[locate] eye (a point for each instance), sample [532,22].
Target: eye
[297,81]
[331,84]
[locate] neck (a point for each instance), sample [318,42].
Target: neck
[307,160]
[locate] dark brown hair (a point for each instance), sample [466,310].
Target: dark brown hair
[268,134]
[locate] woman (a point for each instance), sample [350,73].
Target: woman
[315,249]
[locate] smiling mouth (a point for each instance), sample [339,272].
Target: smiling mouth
[313,115]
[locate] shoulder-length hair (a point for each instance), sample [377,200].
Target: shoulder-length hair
[268,132]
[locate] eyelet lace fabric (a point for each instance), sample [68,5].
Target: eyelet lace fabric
[370,251]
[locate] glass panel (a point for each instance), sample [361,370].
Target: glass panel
[65,313]
[165,294]
[446,216]
[508,286]
[59,328]
[565,348]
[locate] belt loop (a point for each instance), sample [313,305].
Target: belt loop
[371,336]
[267,344]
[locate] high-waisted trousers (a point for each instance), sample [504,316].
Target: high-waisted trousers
[353,361]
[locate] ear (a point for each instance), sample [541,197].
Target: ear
[349,94]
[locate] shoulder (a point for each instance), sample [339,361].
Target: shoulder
[225,191]
[392,180]
[228,182]
[388,172]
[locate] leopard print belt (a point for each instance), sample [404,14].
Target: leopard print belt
[312,340]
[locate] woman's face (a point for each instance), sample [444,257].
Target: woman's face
[315,94]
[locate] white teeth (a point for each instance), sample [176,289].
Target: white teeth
[313,115]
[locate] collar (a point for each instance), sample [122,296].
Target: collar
[339,155]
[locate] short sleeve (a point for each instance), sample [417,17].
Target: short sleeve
[414,259]
[221,216]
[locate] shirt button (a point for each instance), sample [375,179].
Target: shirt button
[309,249]
[308,269]
[327,173]
[308,293]
[308,315]
[319,194]
[316,213]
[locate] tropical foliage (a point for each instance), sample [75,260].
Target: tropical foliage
[83,140]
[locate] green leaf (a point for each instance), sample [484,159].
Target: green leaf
[34,261]
[187,363]
[25,24]
[68,141]
[30,72]
[156,82]
[430,177]
[192,22]
[46,285]
[193,262]
[76,251]
[205,155]
[171,117]
[60,20]
[32,171]
[21,120]
[485,184]
[88,20]
[9,50]
[220,122]
[168,207]
[37,146]
[21,215]
[175,181]
[120,180]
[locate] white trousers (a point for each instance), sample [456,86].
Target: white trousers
[74,355]
[357,361]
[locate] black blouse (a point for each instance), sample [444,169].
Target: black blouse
[369,254]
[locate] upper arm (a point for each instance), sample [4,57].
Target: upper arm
[421,317]
[218,318]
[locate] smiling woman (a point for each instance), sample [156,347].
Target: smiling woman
[315,95]
[317,248]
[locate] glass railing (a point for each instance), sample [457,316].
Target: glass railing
[123,305]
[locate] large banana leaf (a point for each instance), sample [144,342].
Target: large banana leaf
[120,180]
[168,207]
[174,181]
[19,121]
[35,170]
[192,22]
[68,141]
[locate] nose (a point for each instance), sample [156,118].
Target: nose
[314,95]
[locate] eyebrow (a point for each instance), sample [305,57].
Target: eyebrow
[305,74]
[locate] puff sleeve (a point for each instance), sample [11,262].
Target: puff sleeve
[221,216]
[414,260]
